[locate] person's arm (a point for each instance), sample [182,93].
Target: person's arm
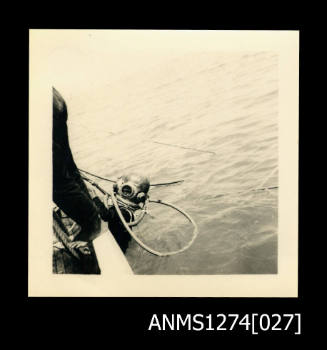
[69,192]
[99,199]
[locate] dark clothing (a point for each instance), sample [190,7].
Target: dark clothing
[69,191]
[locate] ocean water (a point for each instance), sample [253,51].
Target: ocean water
[223,103]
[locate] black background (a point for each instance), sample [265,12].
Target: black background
[89,319]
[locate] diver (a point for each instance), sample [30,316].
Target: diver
[70,193]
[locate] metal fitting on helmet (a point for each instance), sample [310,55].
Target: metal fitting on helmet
[133,188]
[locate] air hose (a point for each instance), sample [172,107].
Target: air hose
[129,208]
[143,245]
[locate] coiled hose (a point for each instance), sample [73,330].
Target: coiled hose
[143,245]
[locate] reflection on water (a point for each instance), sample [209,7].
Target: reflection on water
[226,104]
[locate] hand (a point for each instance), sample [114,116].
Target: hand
[81,246]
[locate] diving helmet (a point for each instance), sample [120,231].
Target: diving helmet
[133,188]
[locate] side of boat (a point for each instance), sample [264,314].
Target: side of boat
[110,257]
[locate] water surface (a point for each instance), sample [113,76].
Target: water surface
[226,103]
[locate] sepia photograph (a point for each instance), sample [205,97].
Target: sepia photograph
[163,163]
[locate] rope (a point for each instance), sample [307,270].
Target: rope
[99,177]
[183,147]
[246,191]
[105,179]
[167,183]
[149,140]
[259,188]
[62,234]
[94,184]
